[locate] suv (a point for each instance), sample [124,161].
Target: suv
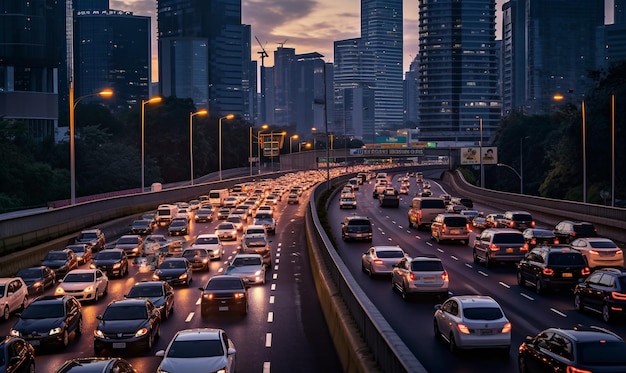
[49,320]
[517,220]
[13,295]
[580,349]
[92,237]
[603,292]
[422,274]
[499,245]
[265,219]
[450,227]
[567,230]
[549,267]
[356,228]
[424,209]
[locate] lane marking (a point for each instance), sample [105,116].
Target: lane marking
[220,270]
[278,254]
[270,316]
[273,287]
[275,275]
[275,269]
[429,244]
[505,285]
[454,257]
[268,339]
[483,273]
[468,265]
[198,301]
[527,296]
[271,299]
[266,367]
[190,316]
[393,221]
[440,250]
[399,226]
[558,312]
[418,237]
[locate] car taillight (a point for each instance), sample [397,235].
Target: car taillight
[594,252]
[548,271]
[494,247]
[618,296]
[378,262]
[532,223]
[571,369]
[556,241]
[468,227]
[463,328]
[533,241]
[512,224]
[411,276]
[524,248]
[444,227]
[444,276]
[506,328]
[585,271]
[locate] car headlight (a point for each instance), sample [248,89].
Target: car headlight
[258,273]
[98,333]
[37,284]
[92,266]
[141,332]
[88,289]
[54,331]
[155,276]
[183,276]
[15,333]
[239,295]
[59,291]
[117,265]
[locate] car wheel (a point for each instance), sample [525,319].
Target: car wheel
[150,342]
[578,303]
[607,317]
[65,339]
[157,334]
[96,296]
[520,279]
[245,309]
[23,305]
[539,286]
[6,314]
[410,224]
[452,344]
[363,268]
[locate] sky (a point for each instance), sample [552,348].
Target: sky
[306,25]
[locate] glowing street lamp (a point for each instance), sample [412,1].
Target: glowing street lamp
[153,100]
[292,137]
[228,117]
[191,115]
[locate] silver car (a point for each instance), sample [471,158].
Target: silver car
[420,275]
[599,252]
[380,260]
[198,350]
[84,284]
[249,267]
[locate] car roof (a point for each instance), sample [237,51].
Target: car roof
[149,283]
[588,334]
[95,230]
[83,270]
[89,364]
[129,301]
[198,334]
[557,248]
[112,249]
[596,239]
[248,256]
[476,300]
[7,279]
[387,248]
[502,230]
[423,258]
[207,235]
[51,299]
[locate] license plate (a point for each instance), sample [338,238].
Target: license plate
[119,345]
[454,231]
[223,308]
[359,235]
[567,274]
[34,342]
[486,332]
[509,249]
[429,279]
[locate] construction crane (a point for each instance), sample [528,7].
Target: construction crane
[282,45]
[263,53]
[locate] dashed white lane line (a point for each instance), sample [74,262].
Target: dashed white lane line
[468,265]
[558,312]
[418,237]
[440,250]
[399,226]
[273,287]
[527,296]
[380,229]
[454,257]
[271,299]
[220,270]
[198,301]
[275,275]
[266,367]
[505,285]
[270,316]
[484,273]
[268,339]
[190,316]
[393,221]
[429,244]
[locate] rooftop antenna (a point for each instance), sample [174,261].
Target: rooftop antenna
[283,43]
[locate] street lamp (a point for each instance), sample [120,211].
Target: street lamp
[480,145]
[229,117]
[292,137]
[264,127]
[521,179]
[153,100]
[73,102]
[191,115]
[282,133]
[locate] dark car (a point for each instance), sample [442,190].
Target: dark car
[567,231]
[127,323]
[581,349]
[519,220]
[603,292]
[203,215]
[467,202]
[93,237]
[160,294]
[83,252]
[141,227]
[174,271]
[539,237]
[113,262]
[132,244]
[61,261]
[499,245]
[152,218]
[223,293]
[198,257]
[546,267]
[37,278]
[49,320]
[96,365]
[178,227]
[16,355]
[356,228]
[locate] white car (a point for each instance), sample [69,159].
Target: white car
[226,231]
[249,267]
[599,252]
[212,243]
[13,295]
[380,260]
[198,350]
[84,284]
[420,275]
[472,321]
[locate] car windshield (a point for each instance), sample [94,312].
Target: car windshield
[456,221]
[226,226]
[522,217]
[87,236]
[171,264]
[482,313]
[109,255]
[602,353]
[241,262]
[128,240]
[426,266]
[155,239]
[204,211]
[189,254]
[56,256]
[603,245]
[508,238]
[29,273]
[225,284]
[263,216]
[145,291]
[178,223]
[207,240]
[141,223]
[432,204]
[125,312]
[570,258]
[43,311]
[234,219]
[77,248]
[541,233]
[79,277]
[389,254]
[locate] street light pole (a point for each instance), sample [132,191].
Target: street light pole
[73,103]
[191,115]
[480,145]
[258,139]
[228,117]
[584,139]
[521,178]
[153,100]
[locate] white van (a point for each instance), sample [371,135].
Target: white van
[165,214]
[217,197]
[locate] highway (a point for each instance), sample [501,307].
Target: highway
[281,332]
[413,321]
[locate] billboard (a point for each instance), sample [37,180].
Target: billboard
[472,155]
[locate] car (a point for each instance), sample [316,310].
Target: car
[84,284]
[567,230]
[257,244]
[13,295]
[494,245]
[231,202]
[452,227]
[255,229]
[548,267]
[96,365]
[141,226]
[356,227]
[491,220]
[265,219]
[113,262]
[272,199]
[158,244]
[237,221]
[210,242]
[50,320]
[198,349]
[423,210]
[152,218]
[579,349]
[447,199]
[469,214]
[379,260]
[519,220]
[127,323]
[479,222]
[37,278]
[183,213]
[292,199]
[472,321]
[203,215]
[226,231]
[175,271]
[16,355]
[61,261]
[466,202]
[422,274]
[178,227]
[403,189]
[82,251]
[160,293]
[224,293]
[95,238]
[347,202]
[132,244]
[194,204]
[599,252]
[222,213]
[603,292]
[539,237]
[266,208]
[455,209]
[249,267]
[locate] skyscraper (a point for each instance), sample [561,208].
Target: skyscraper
[458,71]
